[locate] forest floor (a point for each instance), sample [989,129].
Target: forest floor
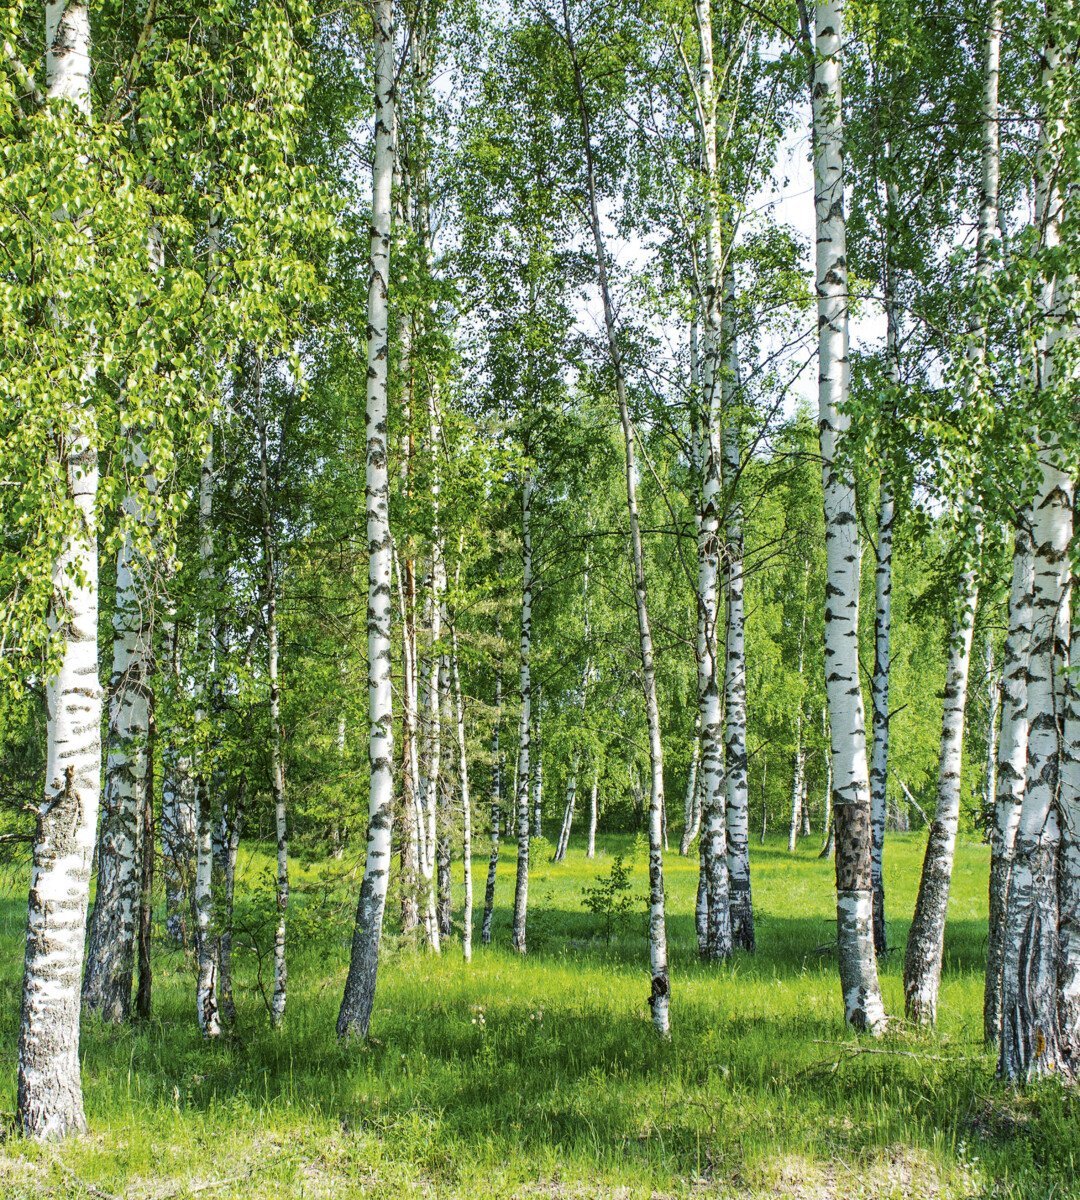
[542,1078]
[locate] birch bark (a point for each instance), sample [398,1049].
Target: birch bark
[49,1086]
[277,758]
[466,803]
[737,782]
[714,851]
[879,758]
[354,1017]
[660,991]
[863,1006]
[521,782]
[594,794]
[110,953]
[923,954]
[206,988]
[1011,767]
[496,813]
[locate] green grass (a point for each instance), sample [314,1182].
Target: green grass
[543,1077]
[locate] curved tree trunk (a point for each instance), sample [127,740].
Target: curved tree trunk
[926,937]
[660,991]
[354,1017]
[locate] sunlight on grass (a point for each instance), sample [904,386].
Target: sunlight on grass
[543,1077]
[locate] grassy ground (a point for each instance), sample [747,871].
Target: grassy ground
[543,1078]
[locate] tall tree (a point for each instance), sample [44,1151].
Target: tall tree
[355,1015]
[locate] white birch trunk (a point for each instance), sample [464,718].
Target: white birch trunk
[411,836]
[660,990]
[1011,766]
[496,813]
[521,781]
[354,1017]
[863,1006]
[206,988]
[568,811]
[714,850]
[49,1086]
[798,775]
[110,952]
[538,771]
[177,811]
[277,758]
[691,808]
[594,796]
[466,804]
[1069,854]
[445,815]
[879,758]
[737,782]
[923,954]
[993,718]
[1030,1040]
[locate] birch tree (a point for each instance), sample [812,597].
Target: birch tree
[49,1087]
[863,1006]
[355,1015]
[660,992]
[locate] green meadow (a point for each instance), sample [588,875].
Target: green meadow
[542,1077]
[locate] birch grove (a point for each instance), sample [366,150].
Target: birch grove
[719,368]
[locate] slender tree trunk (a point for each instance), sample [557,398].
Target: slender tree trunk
[110,954]
[691,808]
[538,771]
[49,1087]
[412,819]
[993,717]
[445,813]
[863,1006]
[798,776]
[568,811]
[660,991]
[923,955]
[144,990]
[737,784]
[355,1015]
[496,813]
[922,966]
[1011,767]
[466,804]
[206,990]
[521,783]
[228,848]
[177,811]
[590,851]
[277,758]
[714,850]
[879,759]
